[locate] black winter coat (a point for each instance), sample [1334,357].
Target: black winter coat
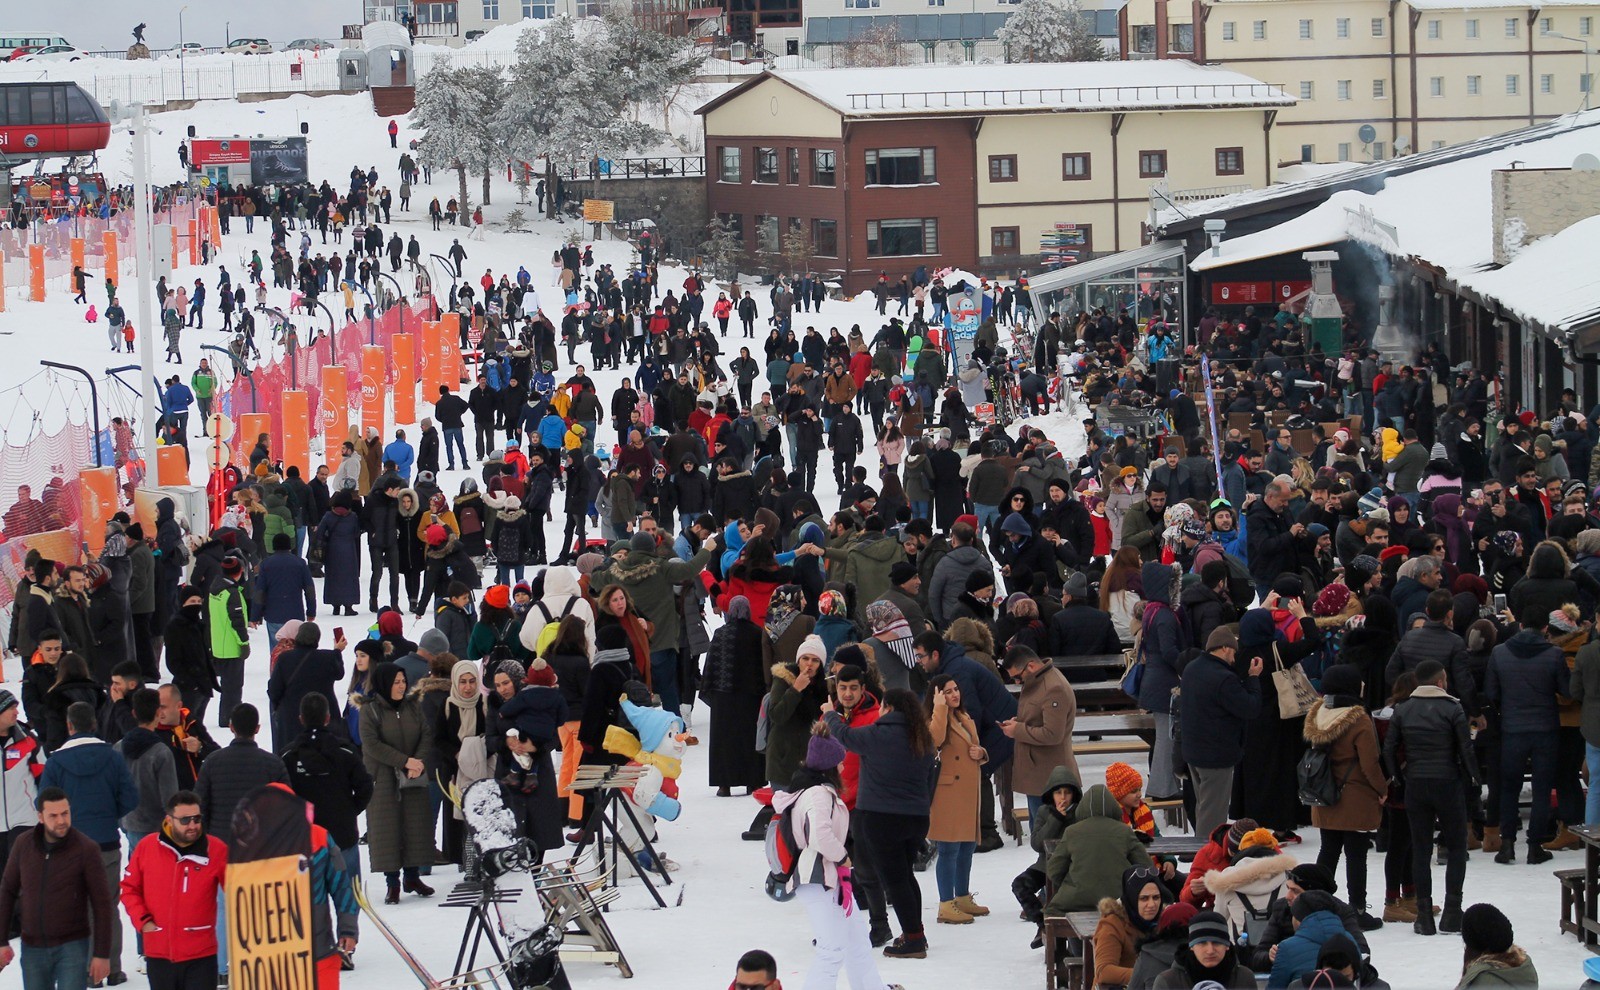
[188,652]
[1081,630]
[1272,548]
[227,776]
[324,770]
[1431,727]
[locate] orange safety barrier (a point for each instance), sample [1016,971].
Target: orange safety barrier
[372,374]
[251,426]
[405,378]
[99,488]
[450,351]
[172,467]
[174,249]
[429,357]
[335,413]
[36,272]
[297,432]
[109,240]
[194,242]
[77,252]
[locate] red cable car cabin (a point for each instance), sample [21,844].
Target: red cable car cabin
[50,120]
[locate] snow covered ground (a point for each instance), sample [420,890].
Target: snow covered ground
[724,910]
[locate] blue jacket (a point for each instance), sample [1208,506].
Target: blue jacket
[893,780]
[403,456]
[647,377]
[552,431]
[97,782]
[1526,672]
[984,697]
[1297,954]
[179,398]
[1217,706]
[283,588]
[544,383]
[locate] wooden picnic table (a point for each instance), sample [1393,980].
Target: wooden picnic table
[1091,660]
[1588,924]
[1183,847]
[1063,969]
[1134,723]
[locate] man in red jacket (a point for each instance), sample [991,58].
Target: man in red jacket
[170,893]
[54,882]
[858,707]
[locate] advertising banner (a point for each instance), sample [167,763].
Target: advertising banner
[278,161]
[268,893]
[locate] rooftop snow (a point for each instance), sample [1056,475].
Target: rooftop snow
[1550,280]
[1021,88]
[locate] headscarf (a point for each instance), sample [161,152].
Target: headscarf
[1175,517]
[391,623]
[1020,606]
[466,705]
[738,608]
[383,678]
[783,609]
[831,602]
[886,620]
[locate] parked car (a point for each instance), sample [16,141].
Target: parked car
[249,46]
[188,49]
[53,53]
[307,45]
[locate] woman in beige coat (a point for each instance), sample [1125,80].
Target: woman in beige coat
[1338,723]
[953,819]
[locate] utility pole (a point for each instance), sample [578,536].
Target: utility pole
[144,264]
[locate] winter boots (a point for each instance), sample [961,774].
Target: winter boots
[912,945]
[950,914]
[1450,921]
[414,885]
[1395,911]
[1564,840]
[392,896]
[1491,838]
[1410,904]
[1539,854]
[970,906]
[1424,923]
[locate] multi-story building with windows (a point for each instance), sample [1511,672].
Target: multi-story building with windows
[984,167]
[1376,78]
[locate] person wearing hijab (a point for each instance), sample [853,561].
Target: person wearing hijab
[733,686]
[459,742]
[890,645]
[396,741]
[787,625]
[1127,921]
[1281,634]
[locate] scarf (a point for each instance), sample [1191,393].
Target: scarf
[465,705]
[887,621]
[783,609]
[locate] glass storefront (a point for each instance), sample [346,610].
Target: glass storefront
[1146,282]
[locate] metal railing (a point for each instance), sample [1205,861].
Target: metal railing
[958,99]
[1200,193]
[636,168]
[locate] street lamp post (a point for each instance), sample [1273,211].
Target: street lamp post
[1587,49]
[183,83]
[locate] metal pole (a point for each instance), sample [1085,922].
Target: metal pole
[144,258]
[183,83]
[94,403]
[239,368]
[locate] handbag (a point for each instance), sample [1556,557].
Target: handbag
[404,783]
[1295,693]
[1133,669]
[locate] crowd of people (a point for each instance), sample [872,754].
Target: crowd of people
[1376,634]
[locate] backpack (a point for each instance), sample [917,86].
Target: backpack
[1314,781]
[783,851]
[1255,921]
[508,543]
[547,632]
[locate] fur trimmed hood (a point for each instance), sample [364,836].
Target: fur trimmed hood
[1112,907]
[1324,724]
[782,672]
[1249,871]
[416,503]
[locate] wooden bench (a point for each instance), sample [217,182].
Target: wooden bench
[1089,662]
[1101,695]
[1110,747]
[1571,922]
[1176,814]
[1134,723]
[1064,968]
[1183,847]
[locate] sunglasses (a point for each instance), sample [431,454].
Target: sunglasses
[186,819]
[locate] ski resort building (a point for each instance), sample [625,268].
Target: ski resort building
[985,167]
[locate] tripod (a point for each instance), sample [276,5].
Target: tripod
[605,817]
[477,894]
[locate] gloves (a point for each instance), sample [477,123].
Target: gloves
[847,895]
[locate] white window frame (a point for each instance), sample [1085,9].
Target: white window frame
[1436,86]
[1306,29]
[1435,30]
[1258,31]
[1513,84]
[1342,89]
[1472,29]
[1474,85]
[1380,89]
[1379,28]
[1341,27]
[1513,27]
[1308,91]
[1547,83]
[1344,151]
[1229,32]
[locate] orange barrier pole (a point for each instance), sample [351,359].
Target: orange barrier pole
[297,432]
[450,351]
[251,426]
[99,488]
[405,377]
[372,370]
[430,357]
[77,252]
[36,272]
[109,239]
[174,249]
[335,413]
[194,242]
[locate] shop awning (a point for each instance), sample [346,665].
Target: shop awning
[1111,264]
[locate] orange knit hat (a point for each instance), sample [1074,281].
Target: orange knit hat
[1259,837]
[1122,780]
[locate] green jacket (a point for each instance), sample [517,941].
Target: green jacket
[865,563]
[228,621]
[624,504]
[279,518]
[1051,823]
[790,715]
[1088,862]
[202,384]
[652,583]
[1501,969]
